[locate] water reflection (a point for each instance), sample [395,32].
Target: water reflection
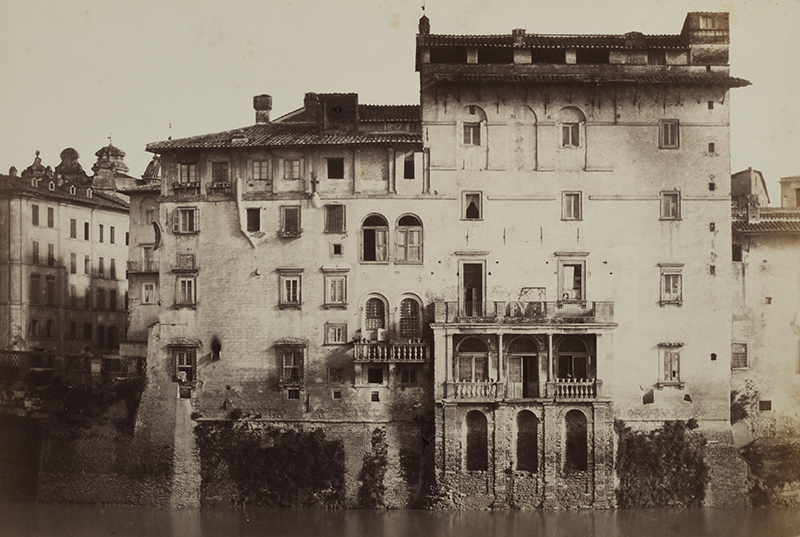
[58,520]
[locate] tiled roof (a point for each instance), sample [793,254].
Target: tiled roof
[550,41]
[770,220]
[282,135]
[392,112]
[11,185]
[666,78]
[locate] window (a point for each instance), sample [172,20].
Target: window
[472,134]
[410,319]
[185,363]
[571,206]
[334,219]
[764,406]
[408,166]
[112,269]
[100,233]
[261,170]
[87,298]
[656,57]
[669,134]
[253,220]
[670,359]
[409,240]
[570,135]
[33,328]
[34,215]
[291,168]
[184,220]
[573,360]
[187,292]
[527,441]
[477,441]
[335,289]
[73,329]
[35,252]
[375,375]
[712,147]
[113,337]
[291,289]
[51,254]
[336,375]
[408,375]
[336,250]
[50,291]
[112,299]
[51,217]
[576,446]
[73,296]
[472,206]
[671,283]
[87,331]
[375,314]
[73,228]
[375,397]
[101,336]
[111,234]
[472,358]
[335,168]
[374,238]
[101,270]
[86,231]
[101,299]
[291,359]
[73,263]
[187,173]
[35,292]
[290,222]
[87,265]
[472,287]
[671,205]
[572,280]
[219,172]
[293,394]
[49,332]
[335,333]
[148,293]
[739,356]
[127,238]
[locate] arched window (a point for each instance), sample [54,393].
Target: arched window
[527,441]
[477,441]
[374,238]
[572,121]
[573,359]
[375,315]
[472,360]
[410,319]
[409,240]
[523,368]
[575,458]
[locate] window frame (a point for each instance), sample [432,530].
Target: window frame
[253,215]
[187,173]
[73,228]
[669,136]
[152,293]
[284,300]
[264,170]
[73,263]
[290,233]
[572,261]
[745,352]
[34,214]
[403,320]
[184,360]
[296,167]
[181,226]
[335,162]
[341,328]
[51,217]
[35,258]
[669,359]
[379,231]
[218,169]
[328,210]
[465,196]
[571,134]
[296,378]
[402,244]
[181,300]
[332,277]
[666,295]
[404,375]
[569,209]
[471,134]
[668,209]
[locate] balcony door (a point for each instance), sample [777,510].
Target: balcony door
[472,289]
[523,368]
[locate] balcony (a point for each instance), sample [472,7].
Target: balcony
[148,265]
[220,186]
[558,390]
[181,187]
[520,312]
[474,390]
[402,352]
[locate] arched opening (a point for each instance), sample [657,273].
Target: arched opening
[374,238]
[523,368]
[409,239]
[410,319]
[575,458]
[477,441]
[375,314]
[149,208]
[573,360]
[472,360]
[527,441]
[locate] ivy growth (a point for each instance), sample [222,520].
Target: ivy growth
[372,491]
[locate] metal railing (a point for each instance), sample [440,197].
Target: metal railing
[525,312]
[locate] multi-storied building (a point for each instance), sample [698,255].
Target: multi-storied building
[62,265]
[539,249]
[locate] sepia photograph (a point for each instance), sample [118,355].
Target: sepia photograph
[400,267]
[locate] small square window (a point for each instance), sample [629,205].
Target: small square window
[375,397]
[290,222]
[571,206]
[336,375]
[253,220]
[472,134]
[765,406]
[472,206]
[336,249]
[669,134]
[337,394]
[671,205]
[335,168]
[334,219]
[219,172]
[570,135]
[291,168]
[293,394]
[335,334]
[375,375]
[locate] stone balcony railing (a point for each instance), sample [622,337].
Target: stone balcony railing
[559,390]
[138,265]
[524,312]
[391,352]
[575,389]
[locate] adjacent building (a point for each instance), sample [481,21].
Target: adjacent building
[63,254]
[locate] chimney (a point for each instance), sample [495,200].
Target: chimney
[263,106]
[12,171]
[519,36]
[424,25]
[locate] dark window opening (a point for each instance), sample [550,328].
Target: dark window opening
[472,207]
[334,219]
[737,252]
[293,394]
[527,442]
[337,249]
[337,394]
[86,231]
[408,167]
[219,172]
[448,55]
[495,55]
[87,330]
[408,375]
[375,397]
[290,224]
[375,232]
[409,318]
[576,459]
[764,406]
[711,148]
[548,55]
[656,57]
[253,220]
[375,375]
[335,168]
[591,56]
[710,105]
[477,441]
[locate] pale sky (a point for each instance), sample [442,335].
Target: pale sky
[75,72]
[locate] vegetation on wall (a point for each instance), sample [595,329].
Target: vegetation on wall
[742,402]
[664,467]
[372,491]
[273,467]
[775,469]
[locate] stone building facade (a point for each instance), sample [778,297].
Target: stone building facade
[488,280]
[62,266]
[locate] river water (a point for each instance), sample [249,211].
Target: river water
[22,519]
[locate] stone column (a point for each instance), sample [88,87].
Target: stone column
[602,452]
[392,170]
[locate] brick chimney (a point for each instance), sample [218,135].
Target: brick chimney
[263,106]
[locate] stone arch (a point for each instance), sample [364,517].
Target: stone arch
[477,452]
[527,441]
[576,444]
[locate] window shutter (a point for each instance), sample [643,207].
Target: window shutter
[176,221]
[196,219]
[380,244]
[174,355]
